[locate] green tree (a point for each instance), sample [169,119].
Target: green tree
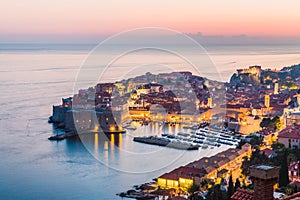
[295,189]
[265,122]
[283,172]
[276,146]
[276,122]
[289,190]
[271,123]
[291,157]
[215,193]
[204,183]
[256,141]
[195,197]
[193,188]
[295,152]
[245,165]
[91,89]
[256,158]
[230,189]
[237,184]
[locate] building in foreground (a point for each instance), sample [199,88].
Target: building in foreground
[216,167]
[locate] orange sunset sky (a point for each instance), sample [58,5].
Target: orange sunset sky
[30,19]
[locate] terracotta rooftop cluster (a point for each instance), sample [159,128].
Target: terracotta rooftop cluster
[206,165]
[242,194]
[292,132]
[254,98]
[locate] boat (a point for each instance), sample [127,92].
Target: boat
[144,122]
[130,128]
[183,134]
[57,137]
[171,136]
[198,141]
[190,127]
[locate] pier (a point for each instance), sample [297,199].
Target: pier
[165,142]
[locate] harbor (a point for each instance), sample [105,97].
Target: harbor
[192,139]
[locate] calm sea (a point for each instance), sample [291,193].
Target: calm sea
[34,77]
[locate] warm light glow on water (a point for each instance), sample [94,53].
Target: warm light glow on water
[105,146]
[112,143]
[176,128]
[106,153]
[96,143]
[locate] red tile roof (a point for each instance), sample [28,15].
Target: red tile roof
[183,172]
[205,165]
[266,132]
[293,196]
[290,132]
[267,151]
[242,194]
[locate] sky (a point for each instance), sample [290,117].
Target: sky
[89,20]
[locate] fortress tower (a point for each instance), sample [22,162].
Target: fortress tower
[276,88]
[267,100]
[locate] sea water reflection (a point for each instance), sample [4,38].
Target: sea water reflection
[121,153]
